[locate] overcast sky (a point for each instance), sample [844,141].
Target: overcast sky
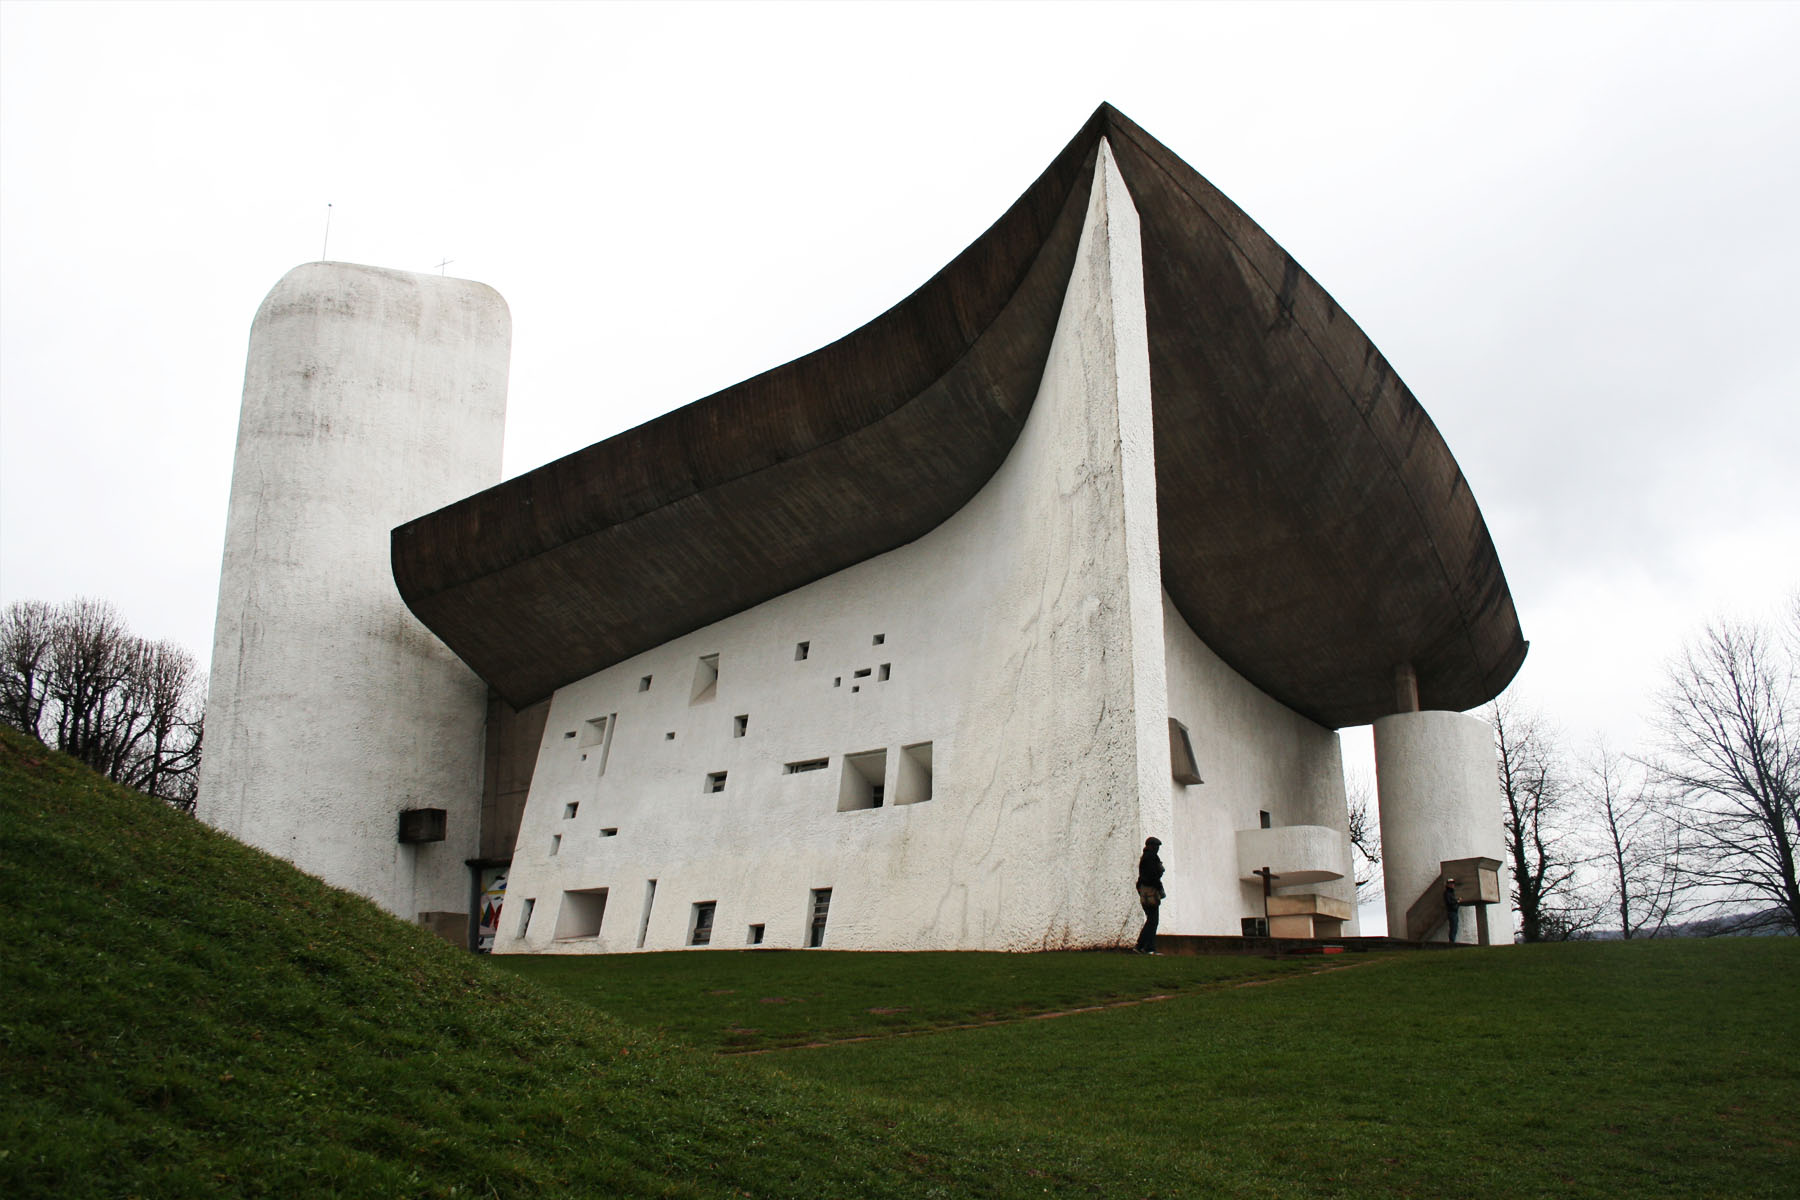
[1572,230]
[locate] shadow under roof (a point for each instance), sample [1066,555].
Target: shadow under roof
[1316,532]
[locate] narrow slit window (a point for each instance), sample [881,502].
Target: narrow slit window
[1182,763]
[525,917]
[701,924]
[862,674]
[644,923]
[610,831]
[555,843]
[821,909]
[804,765]
[715,782]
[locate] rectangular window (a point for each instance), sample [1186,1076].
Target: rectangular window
[568,735]
[804,765]
[756,936]
[706,679]
[801,650]
[1267,822]
[878,639]
[861,785]
[1182,763]
[1257,927]
[555,842]
[862,674]
[700,924]
[599,734]
[525,917]
[740,725]
[649,899]
[883,672]
[715,782]
[581,914]
[644,684]
[912,781]
[821,908]
[570,809]
[610,831]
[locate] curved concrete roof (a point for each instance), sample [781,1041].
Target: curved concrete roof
[1316,531]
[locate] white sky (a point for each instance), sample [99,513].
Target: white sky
[1571,229]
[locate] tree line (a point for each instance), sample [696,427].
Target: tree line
[73,676]
[1701,830]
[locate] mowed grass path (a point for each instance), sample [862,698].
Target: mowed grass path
[1598,1069]
[183,1016]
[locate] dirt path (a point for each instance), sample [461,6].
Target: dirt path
[1051,1016]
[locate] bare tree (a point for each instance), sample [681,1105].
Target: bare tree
[1365,837]
[1534,785]
[73,676]
[1731,760]
[1640,848]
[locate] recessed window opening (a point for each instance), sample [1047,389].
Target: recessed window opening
[715,782]
[610,831]
[882,672]
[706,679]
[1256,927]
[570,809]
[700,924]
[555,842]
[601,729]
[593,733]
[1182,764]
[740,725]
[669,736]
[838,681]
[815,926]
[912,777]
[856,688]
[569,734]
[1268,822]
[525,917]
[644,684]
[756,936]
[581,914]
[805,764]
[862,674]
[801,650]
[649,899]
[862,783]
[878,639]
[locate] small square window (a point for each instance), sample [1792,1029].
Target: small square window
[644,684]
[715,782]
[740,725]
[756,936]
[801,650]
[669,736]
[879,638]
[570,809]
[838,682]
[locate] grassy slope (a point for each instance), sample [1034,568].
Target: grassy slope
[180,1015]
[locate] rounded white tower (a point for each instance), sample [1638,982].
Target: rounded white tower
[1439,796]
[370,397]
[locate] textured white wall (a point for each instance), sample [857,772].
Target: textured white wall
[1256,755]
[370,397]
[1440,799]
[1024,640]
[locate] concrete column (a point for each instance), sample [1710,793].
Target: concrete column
[1439,799]
[370,397]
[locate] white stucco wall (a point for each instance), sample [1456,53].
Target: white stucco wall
[370,397]
[1023,639]
[1256,755]
[1440,799]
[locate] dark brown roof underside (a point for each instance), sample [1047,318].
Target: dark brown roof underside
[1316,531]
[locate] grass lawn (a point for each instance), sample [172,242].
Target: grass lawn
[183,1016]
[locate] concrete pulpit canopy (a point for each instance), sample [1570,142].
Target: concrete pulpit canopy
[1315,531]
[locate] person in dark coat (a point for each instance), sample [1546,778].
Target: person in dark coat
[1452,908]
[1150,894]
